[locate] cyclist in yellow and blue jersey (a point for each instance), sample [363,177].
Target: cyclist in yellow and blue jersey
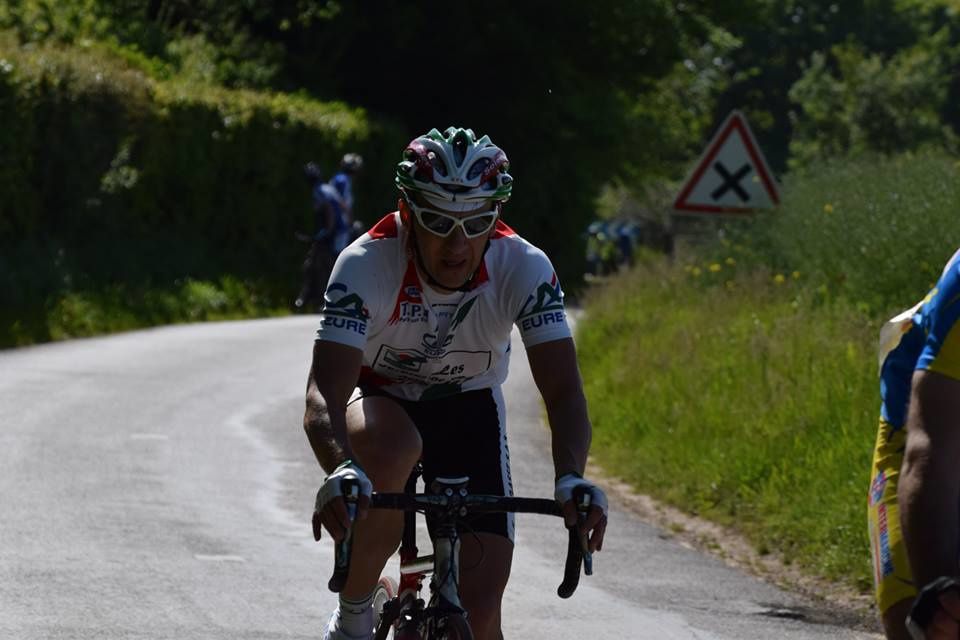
[914,498]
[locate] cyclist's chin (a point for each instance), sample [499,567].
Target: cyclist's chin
[452,274]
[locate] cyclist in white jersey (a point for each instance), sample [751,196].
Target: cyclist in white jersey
[413,345]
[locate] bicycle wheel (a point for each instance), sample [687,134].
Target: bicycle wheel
[385,591]
[456,627]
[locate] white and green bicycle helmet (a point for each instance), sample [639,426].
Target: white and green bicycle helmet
[455,170]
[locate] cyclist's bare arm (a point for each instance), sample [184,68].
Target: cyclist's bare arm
[929,487]
[333,376]
[555,371]
[929,490]
[554,368]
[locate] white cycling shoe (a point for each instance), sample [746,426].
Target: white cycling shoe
[334,632]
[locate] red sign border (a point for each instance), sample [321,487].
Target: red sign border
[737,121]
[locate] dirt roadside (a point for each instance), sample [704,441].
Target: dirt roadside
[833,602]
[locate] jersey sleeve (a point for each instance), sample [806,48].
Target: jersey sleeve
[540,316]
[351,293]
[941,350]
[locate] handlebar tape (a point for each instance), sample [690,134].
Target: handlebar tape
[577,550]
[350,489]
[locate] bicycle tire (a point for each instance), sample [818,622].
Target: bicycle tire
[456,627]
[385,591]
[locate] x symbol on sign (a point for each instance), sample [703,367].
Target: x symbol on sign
[731,181]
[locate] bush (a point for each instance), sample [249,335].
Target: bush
[108,175]
[875,232]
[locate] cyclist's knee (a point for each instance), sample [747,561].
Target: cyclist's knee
[386,443]
[484,617]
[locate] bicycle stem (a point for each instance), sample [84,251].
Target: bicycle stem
[446,576]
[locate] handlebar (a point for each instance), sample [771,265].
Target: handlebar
[459,506]
[577,550]
[927,603]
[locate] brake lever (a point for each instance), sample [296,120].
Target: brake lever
[350,489]
[583,508]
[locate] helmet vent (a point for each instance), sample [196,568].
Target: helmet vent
[437,163]
[478,168]
[459,147]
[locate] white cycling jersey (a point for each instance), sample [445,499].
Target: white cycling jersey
[419,343]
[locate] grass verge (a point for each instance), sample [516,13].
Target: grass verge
[122,307]
[738,403]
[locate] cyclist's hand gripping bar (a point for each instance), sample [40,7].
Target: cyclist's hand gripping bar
[927,603]
[577,550]
[350,488]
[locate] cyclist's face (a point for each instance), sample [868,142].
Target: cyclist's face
[453,259]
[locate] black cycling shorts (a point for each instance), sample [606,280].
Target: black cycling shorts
[463,435]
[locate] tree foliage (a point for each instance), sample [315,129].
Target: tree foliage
[580,95]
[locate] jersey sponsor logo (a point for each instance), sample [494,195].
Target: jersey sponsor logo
[407,366]
[407,360]
[462,313]
[347,324]
[338,302]
[543,308]
[409,306]
[876,488]
[433,346]
[548,297]
[411,312]
[542,320]
[885,559]
[344,310]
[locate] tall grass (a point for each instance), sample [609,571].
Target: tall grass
[876,231]
[739,404]
[740,382]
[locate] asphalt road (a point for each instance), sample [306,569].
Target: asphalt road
[157,484]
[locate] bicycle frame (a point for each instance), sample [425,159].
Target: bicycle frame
[407,609]
[444,617]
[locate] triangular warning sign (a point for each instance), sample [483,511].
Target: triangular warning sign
[731,176]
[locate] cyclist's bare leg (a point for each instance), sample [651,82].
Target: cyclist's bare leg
[482,585]
[894,618]
[387,445]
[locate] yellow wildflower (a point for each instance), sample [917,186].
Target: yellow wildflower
[696,272]
[715,267]
[828,208]
[795,275]
[779,279]
[730,261]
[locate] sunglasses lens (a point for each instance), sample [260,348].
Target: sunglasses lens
[480,224]
[436,222]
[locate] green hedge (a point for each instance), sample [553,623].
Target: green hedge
[110,176]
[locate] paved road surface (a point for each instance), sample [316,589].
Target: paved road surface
[157,484]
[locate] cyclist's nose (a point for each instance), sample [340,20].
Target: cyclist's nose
[457,239]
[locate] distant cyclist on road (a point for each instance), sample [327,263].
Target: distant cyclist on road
[331,235]
[342,181]
[914,499]
[412,348]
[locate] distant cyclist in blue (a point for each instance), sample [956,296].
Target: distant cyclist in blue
[342,181]
[331,236]
[914,497]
